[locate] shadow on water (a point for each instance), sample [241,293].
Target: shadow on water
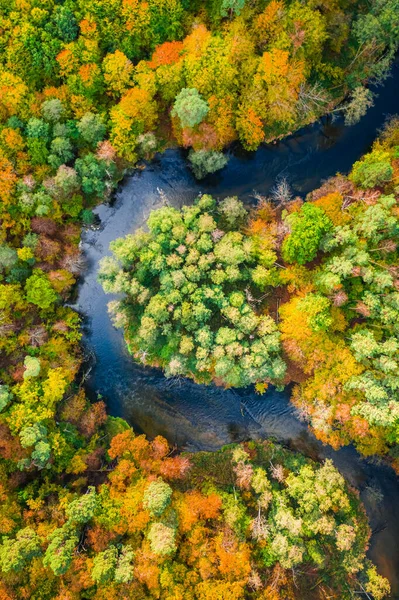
[196,417]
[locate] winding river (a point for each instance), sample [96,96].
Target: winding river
[198,417]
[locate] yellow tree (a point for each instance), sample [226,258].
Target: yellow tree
[281,78]
[135,114]
[13,91]
[117,69]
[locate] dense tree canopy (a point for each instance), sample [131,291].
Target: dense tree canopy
[191,285]
[87,88]
[249,521]
[221,69]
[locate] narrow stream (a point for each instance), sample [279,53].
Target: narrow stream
[199,417]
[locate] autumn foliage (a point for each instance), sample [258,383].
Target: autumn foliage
[88,88]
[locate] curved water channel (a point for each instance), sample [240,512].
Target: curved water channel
[196,417]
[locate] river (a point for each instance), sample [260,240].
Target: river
[196,417]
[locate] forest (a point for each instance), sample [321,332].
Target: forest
[292,291]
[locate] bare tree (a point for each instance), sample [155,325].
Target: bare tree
[37,335]
[359,102]
[281,192]
[75,263]
[312,99]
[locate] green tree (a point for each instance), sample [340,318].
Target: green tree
[233,212]
[39,290]
[157,497]
[31,434]
[308,226]
[41,454]
[361,99]
[5,396]
[124,567]
[318,311]
[66,181]
[94,175]
[372,170]
[61,151]
[82,509]
[32,366]
[190,107]
[376,585]
[231,7]
[64,24]
[53,110]
[377,27]
[162,539]
[8,257]
[91,128]
[16,553]
[59,553]
[104,565]
[38,129]
[204,162]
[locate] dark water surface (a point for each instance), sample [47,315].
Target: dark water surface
[199,417]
